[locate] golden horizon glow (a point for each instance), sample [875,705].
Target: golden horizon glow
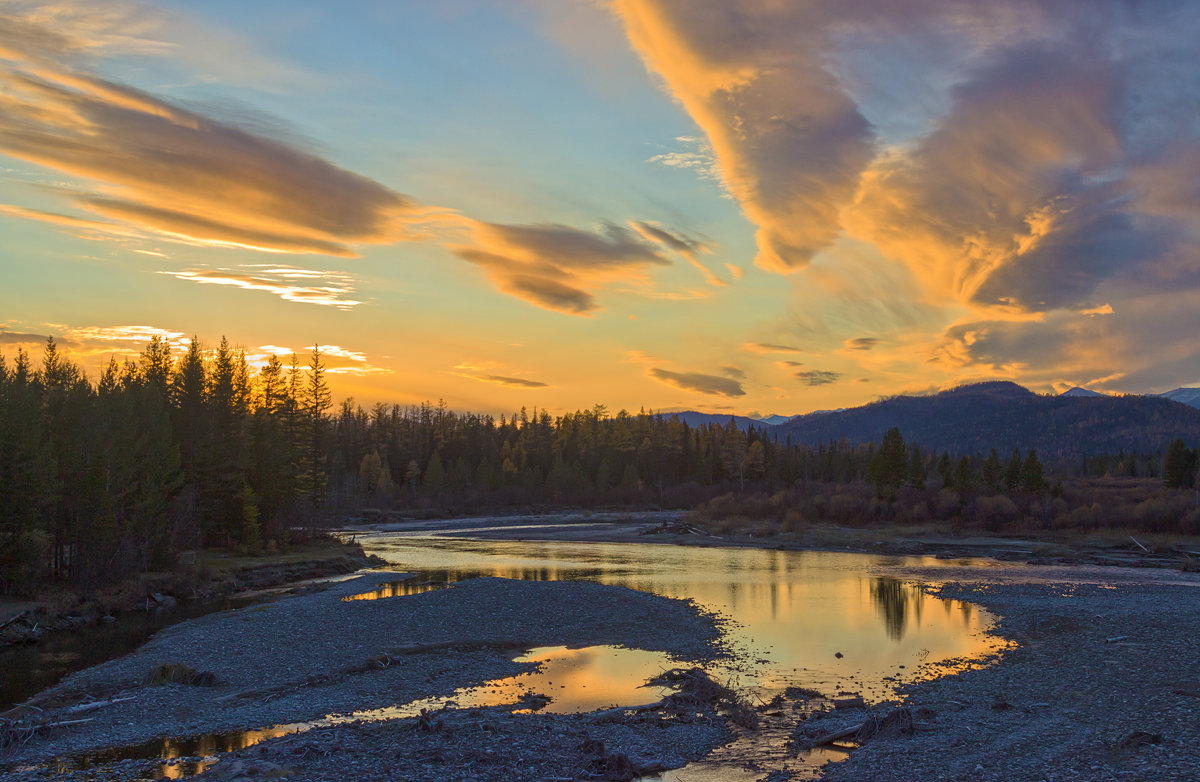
[790,207]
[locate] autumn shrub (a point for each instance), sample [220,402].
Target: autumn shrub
[794,521]
[1152,515]
[948,504]
[846,506]
[1190,523]
[995,511]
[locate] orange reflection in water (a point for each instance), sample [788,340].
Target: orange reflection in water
[396,589]
[795,609]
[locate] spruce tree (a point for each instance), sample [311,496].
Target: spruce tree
[1012,473]
[1032,480]
[992,471]
[1178,466]
[317,401]
[887,468]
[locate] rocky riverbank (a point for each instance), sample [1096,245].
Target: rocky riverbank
[214,576]
[1100,684]
[303,657]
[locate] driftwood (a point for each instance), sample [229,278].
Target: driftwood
[93,705]
[897,722]
[1116,638]
[832,737]
[16,618]
[677,528]
[1139,545]
[15,734]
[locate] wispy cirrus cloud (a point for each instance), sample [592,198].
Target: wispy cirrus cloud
[769,347]
[818,377]
[688,247]
[507,382]
[336,359]
[489,372]
[693,154]
[305,286]
[713,385]
[137,335]
[862,343]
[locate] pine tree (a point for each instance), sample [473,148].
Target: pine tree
[1012,473]
[888,466]
[992,471]
[1179,466]
[964,476]
[435,475]
[946,470]
[1032,480]
[28,489]
[916,466]
[317,401]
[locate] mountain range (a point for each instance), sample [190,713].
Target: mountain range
[1002,415]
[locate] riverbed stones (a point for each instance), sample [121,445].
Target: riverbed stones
[306,656]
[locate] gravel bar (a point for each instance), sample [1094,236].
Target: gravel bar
[1102,684]
[288,661]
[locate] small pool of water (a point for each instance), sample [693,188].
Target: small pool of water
[61,653]
[574,681]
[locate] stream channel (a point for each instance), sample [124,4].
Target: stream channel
[828,621]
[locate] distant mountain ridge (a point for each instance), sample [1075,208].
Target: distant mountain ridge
[1077,391]
[1002,415]
[1188,396]
[695,418]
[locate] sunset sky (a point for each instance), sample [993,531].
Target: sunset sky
[761,207]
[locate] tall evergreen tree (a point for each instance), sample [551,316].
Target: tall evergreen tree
[1032,479]
[318,399]
[1179,466]
[888,467]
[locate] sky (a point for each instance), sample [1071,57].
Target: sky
[761,207]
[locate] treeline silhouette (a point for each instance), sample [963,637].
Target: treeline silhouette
[167,453]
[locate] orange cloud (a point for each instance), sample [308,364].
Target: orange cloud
[789,143]
[507,382]
[226,186]
[714,385]
[554,266]
[769,347]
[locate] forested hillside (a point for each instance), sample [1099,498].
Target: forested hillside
[99,480]
[973,419]
[165,454]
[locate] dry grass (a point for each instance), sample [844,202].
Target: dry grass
[178,673]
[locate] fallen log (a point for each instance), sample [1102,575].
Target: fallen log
[832,737]
[92,705]
[16,618]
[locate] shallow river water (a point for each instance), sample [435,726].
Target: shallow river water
[828,621]
[822,620]
[815,619]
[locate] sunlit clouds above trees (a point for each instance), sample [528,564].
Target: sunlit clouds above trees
[487,203]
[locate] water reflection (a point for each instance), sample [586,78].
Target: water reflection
[895,600]
[794,609]
[574,681]
[404,588]
[820,620]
